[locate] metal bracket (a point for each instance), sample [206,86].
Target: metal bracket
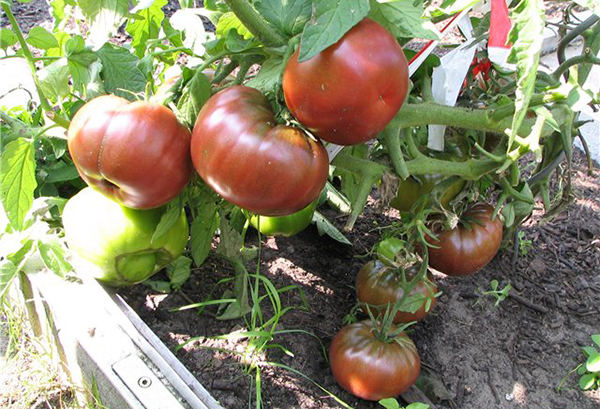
[144,384]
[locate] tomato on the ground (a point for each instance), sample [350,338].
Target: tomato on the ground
[372,368]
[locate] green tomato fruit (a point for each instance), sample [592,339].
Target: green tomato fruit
[285,226]
[115,242]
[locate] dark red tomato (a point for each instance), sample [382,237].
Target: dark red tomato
[369,367]
[349,92]
[135,153]
[381,285]
[240,152]
[470,245]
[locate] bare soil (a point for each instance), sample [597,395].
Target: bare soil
[511,356]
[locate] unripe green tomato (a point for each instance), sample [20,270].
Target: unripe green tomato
[115,242]
[285,226]
[410,190]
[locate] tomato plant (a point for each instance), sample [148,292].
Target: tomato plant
[349,92]
[119,243]
[413,188]
[271,170]
[285,226]
[380,286]
[136,153]
[470,245]
[371,366]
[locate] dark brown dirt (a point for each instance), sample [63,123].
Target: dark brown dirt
[485,356]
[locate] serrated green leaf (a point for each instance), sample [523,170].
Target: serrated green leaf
[268,78]
[193,34]
[8,271]
[54,80]
[62,174]
[596,339]
[527,37]
[147,27]
[41,38]
[53,254]
[588,351]
[289,17]
[62,39]
[195,94]
[58,9]
[203,230]
[179,271]
[120,72]
[403,18]
[17,175]
[7,38]
[593,363]
[230,241]
[168,218]
[587,381]
[413,303]
[79,60]
[103,17]
[324,226]
[332,19]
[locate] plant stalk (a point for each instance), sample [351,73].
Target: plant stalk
[255,23]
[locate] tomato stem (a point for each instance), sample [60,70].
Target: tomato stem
[31,62]
[255,23]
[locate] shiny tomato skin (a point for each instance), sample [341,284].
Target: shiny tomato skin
[370,368]
[135,153]
[380,285]
[240,152]
[463,251]
[349,92]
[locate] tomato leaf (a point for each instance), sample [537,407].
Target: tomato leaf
[203,229]
[179,271]
[169,218]
[527,38]
[53,253]
[332,19]
[508,211]
[8,271]
[17,175]
[324,226]
[103,16]
[268,78]
[41,38]
[288,17]
[596,339]
[593,363]
[195,94]
[79,60]
[587,381]
[389,403]
[54,80]
[403,18]
[7,38]
[146,25]
[417,405]
[120,72]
